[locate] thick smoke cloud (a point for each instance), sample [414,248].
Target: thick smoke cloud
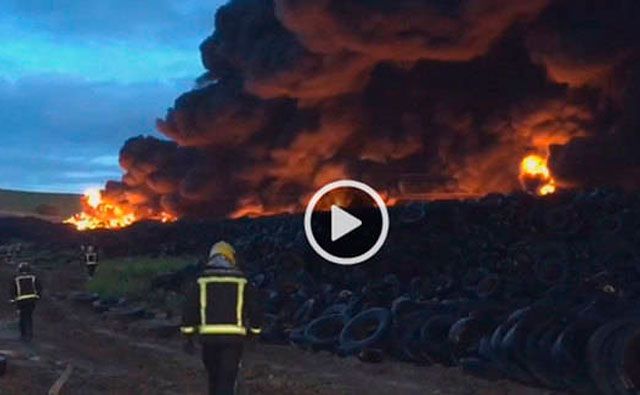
[411,96]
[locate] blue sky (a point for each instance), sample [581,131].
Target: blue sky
[78,77]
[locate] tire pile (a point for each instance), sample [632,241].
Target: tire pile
[545,292]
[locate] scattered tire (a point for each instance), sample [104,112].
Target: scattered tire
[126,313]
[466,333]
[305,312]
[569,355]
[434,338]
[600,368]
[624,358]
[539,361]
[405,338]
[335,309]
[402,306]
[297,337]
[364,330]
[84,297]
[324,332]
[371,355]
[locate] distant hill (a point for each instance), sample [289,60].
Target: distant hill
[51,206]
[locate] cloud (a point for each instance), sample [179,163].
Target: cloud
[100,60]
[64,133]
[162,21]
[79,77]
[111,40]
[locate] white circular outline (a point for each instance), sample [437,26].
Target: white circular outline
[346,184]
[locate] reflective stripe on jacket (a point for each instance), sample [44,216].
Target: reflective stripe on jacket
[221,318]
[220,303]
[91,258]
[25,287]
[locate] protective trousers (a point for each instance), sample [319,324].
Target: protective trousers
[222,361]
[25,311]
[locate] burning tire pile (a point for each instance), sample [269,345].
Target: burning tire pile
[541,291]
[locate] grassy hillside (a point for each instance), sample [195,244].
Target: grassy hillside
[53,206]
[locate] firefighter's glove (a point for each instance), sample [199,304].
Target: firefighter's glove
[255,332]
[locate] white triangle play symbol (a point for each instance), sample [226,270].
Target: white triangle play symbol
[342,222]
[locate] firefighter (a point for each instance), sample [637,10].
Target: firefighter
[221,309]
[25,290]
[90,260]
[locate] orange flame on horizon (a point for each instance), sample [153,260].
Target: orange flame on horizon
[100,213]
[252,208]
[535,175]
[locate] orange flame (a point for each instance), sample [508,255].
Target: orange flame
[100,213]
[251,208]
[535,175]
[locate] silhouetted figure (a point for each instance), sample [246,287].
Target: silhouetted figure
[25,290]
[91,260]
[221,309]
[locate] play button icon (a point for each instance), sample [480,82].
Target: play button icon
[342,223]
[346,222]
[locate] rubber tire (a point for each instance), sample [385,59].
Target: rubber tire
[538,358]
[127,313]
[465,335]
[84,297]
[371,355]
[569,353]
[350,345]
[402,306]
[625,350]
[305,312]
[318,337]
[297,337]
[335,309]
[434,338]
[406,338]
[494,351]
[599,342]
[512,348]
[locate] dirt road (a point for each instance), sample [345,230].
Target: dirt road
[109,358]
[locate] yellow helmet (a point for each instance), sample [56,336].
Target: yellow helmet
[225,249]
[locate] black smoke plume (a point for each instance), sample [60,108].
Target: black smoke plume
[411,96]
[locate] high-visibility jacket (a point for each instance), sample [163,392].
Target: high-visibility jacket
[221,304]
[91,258]
[25,287]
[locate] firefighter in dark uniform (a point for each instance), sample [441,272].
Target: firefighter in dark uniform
[91,260]
[221,308]
[25,290]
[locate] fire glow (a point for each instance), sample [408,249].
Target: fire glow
[100,213]
[535,175]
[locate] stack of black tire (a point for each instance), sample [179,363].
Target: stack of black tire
[545,292]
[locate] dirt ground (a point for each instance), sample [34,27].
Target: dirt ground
[108,357]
